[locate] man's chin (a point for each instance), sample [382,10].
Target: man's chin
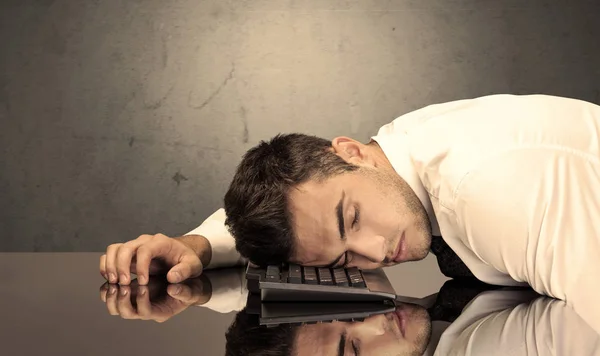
[413,255]
[420,252]
[411,258]
[419,330]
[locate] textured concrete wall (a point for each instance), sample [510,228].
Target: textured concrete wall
[125,117]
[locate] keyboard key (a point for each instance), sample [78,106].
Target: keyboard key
[325,276]
[273,274]
[340,278]
[310,275]
[294,274]
[356,279]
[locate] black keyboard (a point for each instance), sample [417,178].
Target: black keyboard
[296,283]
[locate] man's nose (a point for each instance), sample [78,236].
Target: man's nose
[371,247]
[372,326]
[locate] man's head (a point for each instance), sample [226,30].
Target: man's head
[303,199]
[404,332]
[246,337]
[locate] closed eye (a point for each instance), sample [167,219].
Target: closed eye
[355,349]
[346,260]
[356,216]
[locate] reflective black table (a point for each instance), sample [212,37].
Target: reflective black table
[58,304]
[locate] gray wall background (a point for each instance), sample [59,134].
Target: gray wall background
[119,118]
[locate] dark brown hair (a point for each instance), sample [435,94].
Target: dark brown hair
[246,337]
[256,203]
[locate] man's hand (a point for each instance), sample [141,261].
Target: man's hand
[158,301]
[180,258]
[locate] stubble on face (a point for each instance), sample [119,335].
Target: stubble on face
[407,205]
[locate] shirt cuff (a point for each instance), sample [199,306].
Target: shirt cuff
[228,292]
[222,243]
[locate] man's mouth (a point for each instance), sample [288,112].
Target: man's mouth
[400,252]
[400,317]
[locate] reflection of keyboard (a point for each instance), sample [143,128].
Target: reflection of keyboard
[276,313]
[296,283]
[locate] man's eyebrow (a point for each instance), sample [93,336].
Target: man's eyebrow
[342,345]
[340,216]
[339,212]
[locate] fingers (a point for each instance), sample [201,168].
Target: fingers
[123,260]
[156,266]
[104,291]
[115,265]
[124,306]
[159,245]
[195,291]
[146,254]
[144,307]
[111,257]
[189,266]
[111,300]
[168,309]
[182,293]
[103,267]
[125,254]
[119,301]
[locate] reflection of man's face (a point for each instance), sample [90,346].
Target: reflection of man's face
[404,332]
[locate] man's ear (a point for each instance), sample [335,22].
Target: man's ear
[352,151]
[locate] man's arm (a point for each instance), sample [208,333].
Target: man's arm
[544,326]
[455,337]
[534,214]
[221,245]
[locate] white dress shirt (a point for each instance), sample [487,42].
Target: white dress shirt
[512,184]
[510,323]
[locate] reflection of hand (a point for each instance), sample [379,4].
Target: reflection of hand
[158,301]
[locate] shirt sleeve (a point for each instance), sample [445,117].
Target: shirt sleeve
[533,214]
[222,243]
[455,338]
[228,290]
[537,328]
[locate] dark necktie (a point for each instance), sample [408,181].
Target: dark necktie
[450,264]
[454,296]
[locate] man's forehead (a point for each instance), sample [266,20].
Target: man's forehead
[317,339]
[312,188]
[319,190]
[311,206]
